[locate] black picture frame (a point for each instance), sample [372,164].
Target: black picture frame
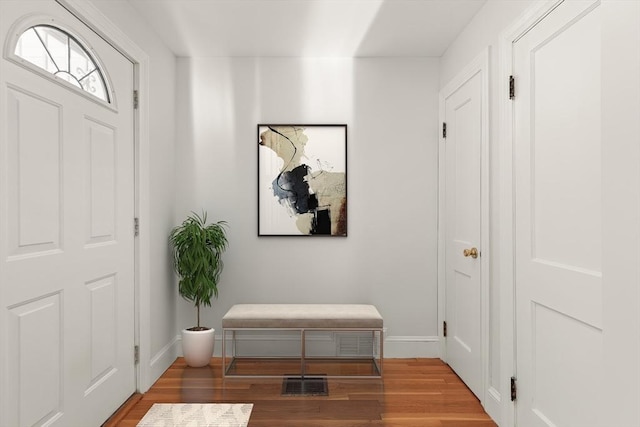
[302,180]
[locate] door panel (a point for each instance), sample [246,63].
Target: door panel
[563,367]
[463,113]
[101,170]
[103,314]
[35,352]
[67,247]
[558,197]
[34,173]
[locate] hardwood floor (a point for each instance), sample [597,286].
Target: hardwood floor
[413,393]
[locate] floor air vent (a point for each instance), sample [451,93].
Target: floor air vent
[307,386]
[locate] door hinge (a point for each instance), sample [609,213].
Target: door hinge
[512,87]
[444,328]
[514,389]
[444,130]
[136,227]
[136,354]
[136,99]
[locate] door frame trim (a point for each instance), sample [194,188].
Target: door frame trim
[98,22]
[506,211]
[490,397]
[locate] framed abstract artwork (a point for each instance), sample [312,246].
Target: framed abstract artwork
[302,180]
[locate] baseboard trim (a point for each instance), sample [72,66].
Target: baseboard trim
[397,346]
[161,361]
[491,404]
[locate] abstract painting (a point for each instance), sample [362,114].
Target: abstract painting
[302,180]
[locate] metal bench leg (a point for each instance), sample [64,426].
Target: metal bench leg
[380,350]
[302,353]
[224,354]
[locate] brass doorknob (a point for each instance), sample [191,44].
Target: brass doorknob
[473,253]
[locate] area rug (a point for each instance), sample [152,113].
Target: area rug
[197,415]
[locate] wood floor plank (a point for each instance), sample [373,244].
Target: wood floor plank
[413,393]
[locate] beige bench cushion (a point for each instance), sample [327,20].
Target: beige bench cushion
[330,316]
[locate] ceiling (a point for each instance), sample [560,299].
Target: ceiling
[308,28]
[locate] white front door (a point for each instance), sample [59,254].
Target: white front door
[558,218]
[462,227]
[67,246]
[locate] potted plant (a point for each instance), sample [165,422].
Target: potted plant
[197,250]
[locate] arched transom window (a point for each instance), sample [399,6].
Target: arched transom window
[61,54]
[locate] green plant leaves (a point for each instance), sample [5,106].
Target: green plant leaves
[197,250]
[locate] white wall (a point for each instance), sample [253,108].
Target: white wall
[482,32]
[389,257]
[160,169]
[621,213]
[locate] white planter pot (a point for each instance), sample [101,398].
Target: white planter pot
[197,347]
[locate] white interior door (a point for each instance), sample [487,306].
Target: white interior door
[67,246]
[462,225]
[558,210]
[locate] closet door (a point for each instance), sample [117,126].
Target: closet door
[558,217]
[463,114]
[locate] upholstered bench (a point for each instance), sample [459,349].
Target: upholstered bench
[303,319]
